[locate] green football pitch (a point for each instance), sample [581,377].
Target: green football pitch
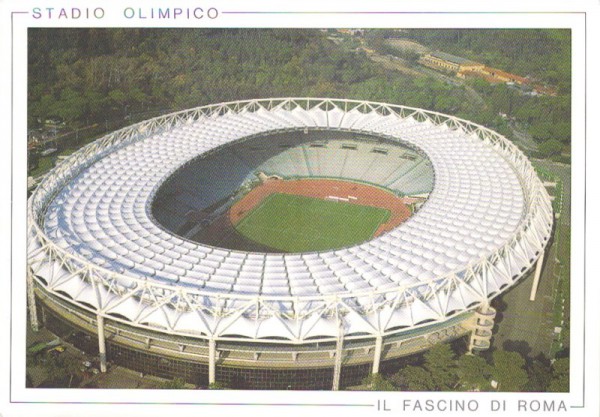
[292,223]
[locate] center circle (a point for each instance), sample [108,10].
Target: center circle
[299,190]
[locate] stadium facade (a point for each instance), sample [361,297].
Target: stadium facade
[105,259]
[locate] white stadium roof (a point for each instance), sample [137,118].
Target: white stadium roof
[94,242]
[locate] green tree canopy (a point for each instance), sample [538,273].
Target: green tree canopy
[560,376]
[177,383]
[509,371]
[550,147]
[376,382]
[474,373]
[413,378]
[440,363]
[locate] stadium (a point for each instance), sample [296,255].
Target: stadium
[285,243]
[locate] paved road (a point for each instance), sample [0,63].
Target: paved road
[523,325]
[523,138]
[527,326]
[401,65]
[395,63]
[563,171]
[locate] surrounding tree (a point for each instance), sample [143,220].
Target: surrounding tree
[177,383]
[28,380]
[474,373]
[376,382]
[413,378]
[217,385]
[60,370]
[509,371]
[560,376]
[440,362]
[550,148]
[540,53]
[92,76]
[539,374]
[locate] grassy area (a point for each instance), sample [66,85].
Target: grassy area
[562,291]
[546,175]
[559,255]
[562,244]
[45,164]
[293,223]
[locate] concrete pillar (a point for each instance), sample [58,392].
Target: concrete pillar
[101,343]
[536,278]
[377,354]
[33,318]
[212,358]
[337,368]
[484,308]
[43,314]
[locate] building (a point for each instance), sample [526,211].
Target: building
[494,76]
[450,63]
[464,68]
[102,264]
[503,76]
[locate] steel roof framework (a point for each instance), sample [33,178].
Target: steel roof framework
[196,312]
